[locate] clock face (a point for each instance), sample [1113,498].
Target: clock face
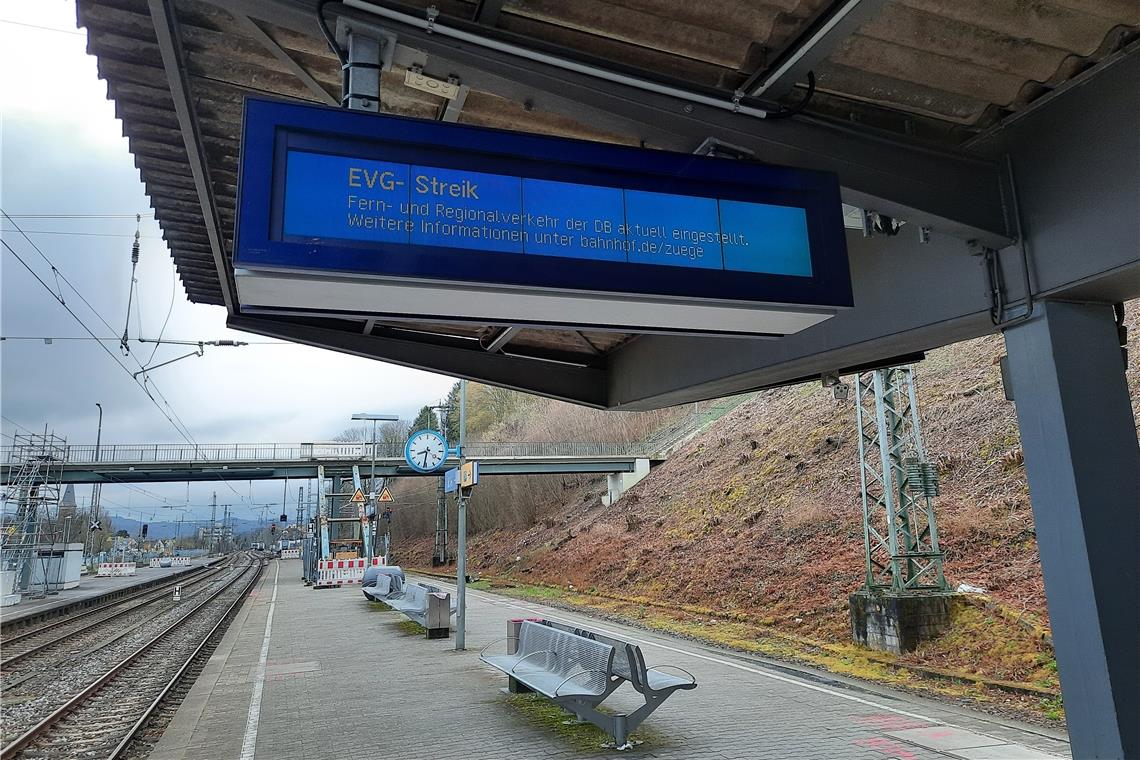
[425,451]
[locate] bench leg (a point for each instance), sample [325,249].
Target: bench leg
[515,687]
[621,732]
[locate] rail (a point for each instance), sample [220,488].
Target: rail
[308,452]
[40,729]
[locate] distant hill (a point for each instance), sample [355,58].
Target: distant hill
[168,528]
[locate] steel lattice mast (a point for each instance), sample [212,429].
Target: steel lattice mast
[898,484]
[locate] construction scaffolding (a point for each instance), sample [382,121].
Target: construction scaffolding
[898,484]
[30,507]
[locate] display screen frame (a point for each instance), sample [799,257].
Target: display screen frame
[273,128]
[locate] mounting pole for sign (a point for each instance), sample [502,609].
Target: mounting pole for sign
[461,548]
[368,51]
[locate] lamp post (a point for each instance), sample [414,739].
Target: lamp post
[372,475]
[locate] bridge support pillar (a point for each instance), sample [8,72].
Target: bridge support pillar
[1082,460]
[618,483]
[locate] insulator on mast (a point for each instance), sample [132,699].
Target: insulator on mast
[135,246]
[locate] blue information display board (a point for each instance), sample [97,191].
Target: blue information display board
[337,198]
[338,192]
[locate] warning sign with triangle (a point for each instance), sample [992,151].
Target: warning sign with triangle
[358,497]
[386,495]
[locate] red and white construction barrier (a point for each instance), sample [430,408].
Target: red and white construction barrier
[290,554]
[170,561]
[344,572]
[116,568]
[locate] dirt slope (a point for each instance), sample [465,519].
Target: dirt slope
[758,519]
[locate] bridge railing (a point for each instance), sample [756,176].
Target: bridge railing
[307,452]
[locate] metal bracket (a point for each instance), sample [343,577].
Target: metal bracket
[370,50]
[717,148]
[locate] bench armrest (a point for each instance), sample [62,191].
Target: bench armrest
[496,641]
[575,675]
[673,667]
[532,654]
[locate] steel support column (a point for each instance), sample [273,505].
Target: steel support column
[1082,460]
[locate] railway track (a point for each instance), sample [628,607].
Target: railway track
[120,697]
[95,605]
[74,629]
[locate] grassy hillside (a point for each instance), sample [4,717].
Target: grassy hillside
[750,536]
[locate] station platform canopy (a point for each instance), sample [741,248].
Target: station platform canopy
[986,155]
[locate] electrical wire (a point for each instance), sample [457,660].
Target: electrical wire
[82,324]
[165,342]
[12,422]
[36,248]
[328,35]
[169,311]
[800,106]
[88,234]
[42,28]
[146,384]
[169,413]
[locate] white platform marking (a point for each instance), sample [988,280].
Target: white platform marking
[249,743]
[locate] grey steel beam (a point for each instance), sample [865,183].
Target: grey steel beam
[811,48]
[583,385]
[1077,165]
[889,175]
[501,339]
[885,174]
[1083,464]
[487,12]
[299,71]
[453,107]
[165,20]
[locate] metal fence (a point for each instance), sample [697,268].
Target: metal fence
[307,452]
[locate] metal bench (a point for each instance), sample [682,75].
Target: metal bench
[379,588]
[626,664]
[413,601]
[374,572]
[573,671]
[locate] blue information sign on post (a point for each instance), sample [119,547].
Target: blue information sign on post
[451,480]
[401,218]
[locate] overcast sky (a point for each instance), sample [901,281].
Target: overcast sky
[62,152]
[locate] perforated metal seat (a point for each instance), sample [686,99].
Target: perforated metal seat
[535,663]
[558,664]
[380,588]
[413,602]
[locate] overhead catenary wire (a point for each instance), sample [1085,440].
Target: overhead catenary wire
[82,324]
[88,234]
[145,384]
[123,344]
[164,341]
[169,311]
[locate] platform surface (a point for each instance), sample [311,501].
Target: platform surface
[89,586]
[326,674]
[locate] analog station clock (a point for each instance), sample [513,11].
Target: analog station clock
[425,451]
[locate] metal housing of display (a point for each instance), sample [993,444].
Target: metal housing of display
[345,213]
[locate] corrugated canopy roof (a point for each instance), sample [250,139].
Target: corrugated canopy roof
[940,72]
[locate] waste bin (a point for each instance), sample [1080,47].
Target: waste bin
[514,626]
[438,615]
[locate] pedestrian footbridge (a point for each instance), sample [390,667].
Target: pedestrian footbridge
[161,462]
